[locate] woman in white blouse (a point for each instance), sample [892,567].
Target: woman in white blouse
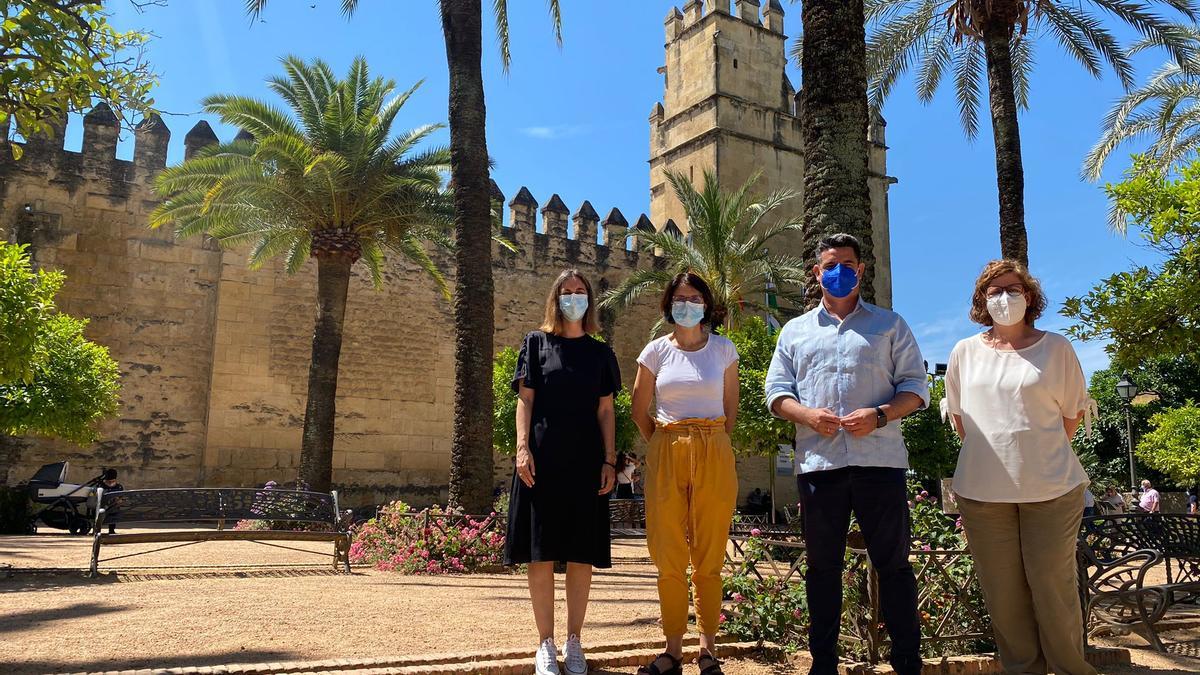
[690,479]
[1017,394]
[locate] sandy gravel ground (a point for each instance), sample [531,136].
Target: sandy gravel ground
[161,618]
[177,608]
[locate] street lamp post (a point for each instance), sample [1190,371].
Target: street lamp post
[1127,390]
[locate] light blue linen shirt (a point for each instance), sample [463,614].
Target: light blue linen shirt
[861,362]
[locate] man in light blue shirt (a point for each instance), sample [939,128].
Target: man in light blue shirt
[846,373]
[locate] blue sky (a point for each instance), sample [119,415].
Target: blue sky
[574,121]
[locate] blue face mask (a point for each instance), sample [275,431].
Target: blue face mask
[687,314]
[573,306]
[840,281]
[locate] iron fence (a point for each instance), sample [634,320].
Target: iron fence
[950,602]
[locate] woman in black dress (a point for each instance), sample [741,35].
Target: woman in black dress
[566,462]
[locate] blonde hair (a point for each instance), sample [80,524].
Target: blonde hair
[1036,300]
[553,322]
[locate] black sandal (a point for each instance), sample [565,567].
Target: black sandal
[652,669]
[713,668]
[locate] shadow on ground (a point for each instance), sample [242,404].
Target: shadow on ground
[192,660]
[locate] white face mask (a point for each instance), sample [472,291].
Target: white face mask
[1007,310]
[573,305]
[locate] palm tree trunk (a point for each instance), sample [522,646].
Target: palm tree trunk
[1010,175]
[471,463]
[316,450]
[834,124]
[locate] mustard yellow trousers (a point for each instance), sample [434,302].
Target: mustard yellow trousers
[691,490]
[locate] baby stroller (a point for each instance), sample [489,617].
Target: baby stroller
[65,506]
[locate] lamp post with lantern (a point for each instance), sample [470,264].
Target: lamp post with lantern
[1127,390]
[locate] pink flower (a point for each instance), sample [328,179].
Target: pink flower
[755,532]
[958,523]
[738,597]
[920,497]
[797,614]
[910,504]
[723,618]
[926,548]
[924,493]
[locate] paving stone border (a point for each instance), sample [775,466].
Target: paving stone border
[984,664]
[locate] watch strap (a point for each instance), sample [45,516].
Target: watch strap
[881,419]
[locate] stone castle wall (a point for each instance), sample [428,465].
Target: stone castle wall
[214,356]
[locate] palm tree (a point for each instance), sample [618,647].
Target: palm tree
[729,234]
[326,181]
[471,476]
[834,124]
[1165,110]
[971,38]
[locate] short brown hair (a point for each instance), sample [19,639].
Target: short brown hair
[697,282]
[996,268]
[554,320]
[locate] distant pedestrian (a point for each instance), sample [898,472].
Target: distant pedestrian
[1193,502]
[1149,501]
[1113,498]
[627,466]
[1089,504]
[110,484]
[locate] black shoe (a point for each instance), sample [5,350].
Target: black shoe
[653,669]
[713,666]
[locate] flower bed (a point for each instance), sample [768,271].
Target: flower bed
[431,541]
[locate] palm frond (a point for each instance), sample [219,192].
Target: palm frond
[968,69]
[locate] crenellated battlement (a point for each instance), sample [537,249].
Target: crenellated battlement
[750,12]
[565,239]
[551,234]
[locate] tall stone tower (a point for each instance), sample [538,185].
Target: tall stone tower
[728,107]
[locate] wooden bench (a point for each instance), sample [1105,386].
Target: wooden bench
[224,507]
[1134,567]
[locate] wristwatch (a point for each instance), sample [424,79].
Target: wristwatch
[881,419]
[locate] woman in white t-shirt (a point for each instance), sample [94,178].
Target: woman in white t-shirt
[627,465]
[1017,394]
[689,475]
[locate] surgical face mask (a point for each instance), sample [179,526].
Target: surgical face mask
[840,281]
[573,305]
[687,314]
[1006,309]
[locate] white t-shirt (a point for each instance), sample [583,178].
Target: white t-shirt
[1012,405]
[625,476]
[689,385]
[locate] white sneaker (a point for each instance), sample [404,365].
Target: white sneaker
[547,658]
[573,659]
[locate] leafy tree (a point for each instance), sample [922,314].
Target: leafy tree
[1147,311]
[504,412]
[727,244]
[757,432]
[932,444]
[26,304]
[56,56]
[834,125]
[970,40]
[326,182]
[1105,454]
[1165,110]
[65,384]
[1173,446]
[474,298]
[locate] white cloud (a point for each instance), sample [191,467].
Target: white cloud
[552,133]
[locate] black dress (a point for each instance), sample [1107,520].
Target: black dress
[562,518]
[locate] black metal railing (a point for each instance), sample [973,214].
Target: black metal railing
[953,617]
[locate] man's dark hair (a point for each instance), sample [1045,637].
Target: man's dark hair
[839,240]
